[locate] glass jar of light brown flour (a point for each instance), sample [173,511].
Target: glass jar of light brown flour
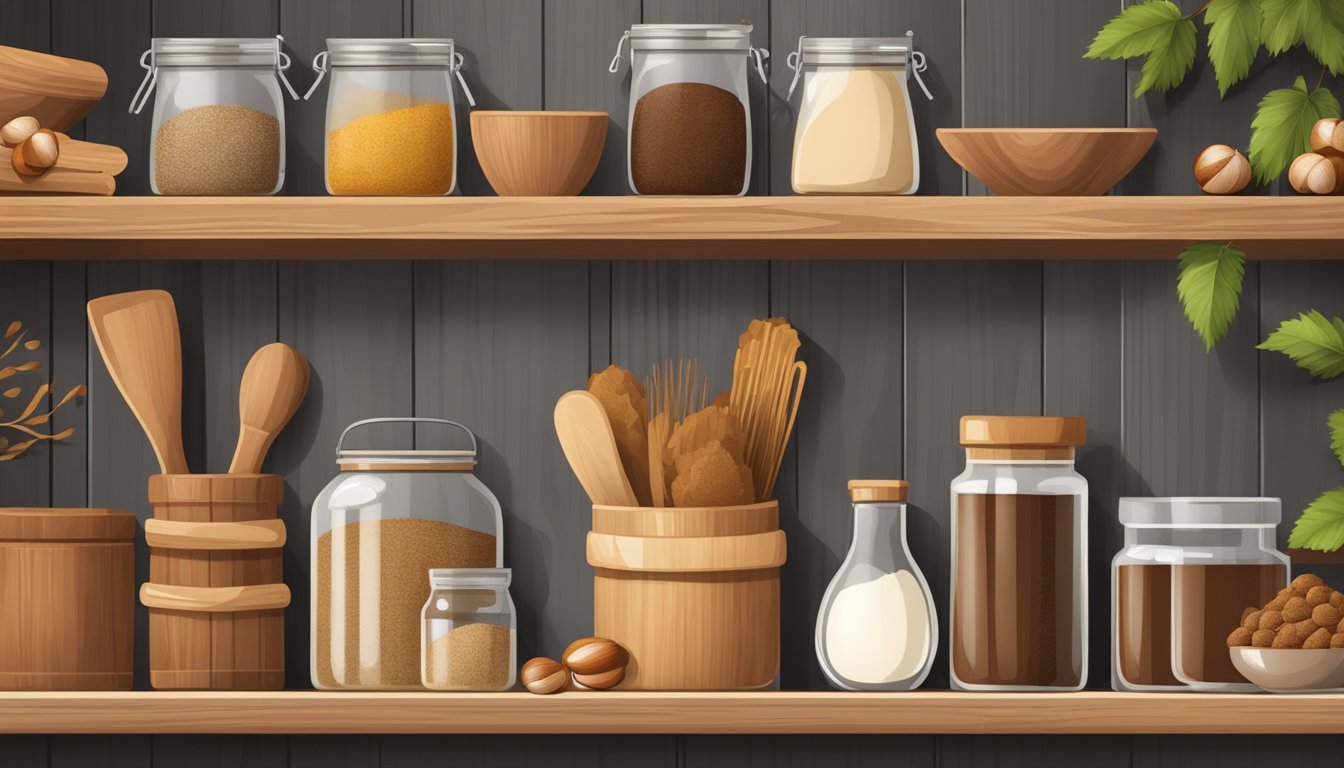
[856,130]
[385,521]
[219,115]
[1019,556]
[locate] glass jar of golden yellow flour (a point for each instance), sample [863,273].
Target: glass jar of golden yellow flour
[856,131]
[391,126]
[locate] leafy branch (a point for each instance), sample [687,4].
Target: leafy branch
[1209,287]
[16,341]
[1321,525]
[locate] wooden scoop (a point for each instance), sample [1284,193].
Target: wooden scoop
[274,383]
[589,445]
[138,337]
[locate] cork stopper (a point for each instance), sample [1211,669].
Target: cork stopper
[879,490]
[1022,437]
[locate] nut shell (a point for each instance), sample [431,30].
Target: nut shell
[1318,595]
[1318,639]
[1240,636]
[1222,170]
[41,149]
[544,676]
[602,680]
[1262,638]
[595,656]
[1312,174]
[17,131]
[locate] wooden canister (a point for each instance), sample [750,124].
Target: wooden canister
[67,599]
[691,593]
[215,594]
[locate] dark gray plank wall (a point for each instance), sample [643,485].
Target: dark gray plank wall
[897,351]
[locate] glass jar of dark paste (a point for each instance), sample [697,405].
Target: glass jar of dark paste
[1019,556]
[690,117]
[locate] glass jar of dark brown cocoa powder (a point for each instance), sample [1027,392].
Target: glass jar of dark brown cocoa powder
[1019,556]
[1190,567]
[690,116]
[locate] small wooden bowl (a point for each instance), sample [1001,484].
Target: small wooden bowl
[1048,161]
[538,153]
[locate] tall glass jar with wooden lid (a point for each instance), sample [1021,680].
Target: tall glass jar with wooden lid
[1019,556]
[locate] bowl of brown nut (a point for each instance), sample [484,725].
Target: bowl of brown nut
[1295,643]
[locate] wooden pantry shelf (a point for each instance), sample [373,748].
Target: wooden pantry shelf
[930,712]
[644,228]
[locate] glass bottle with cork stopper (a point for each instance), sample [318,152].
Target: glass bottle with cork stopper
[1019,556]
[877,630]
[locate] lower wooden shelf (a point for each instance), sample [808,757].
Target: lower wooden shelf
[927,712]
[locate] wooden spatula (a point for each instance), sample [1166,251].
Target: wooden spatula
[274,383]
[589,445]
[138,337]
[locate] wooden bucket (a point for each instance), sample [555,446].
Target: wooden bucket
[691,593]
[67,599]
[215,594]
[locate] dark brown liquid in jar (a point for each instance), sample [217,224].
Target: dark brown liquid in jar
[1208,600]
[1013,624]
[1143,624]
[688,139]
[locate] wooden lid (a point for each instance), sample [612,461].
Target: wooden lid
[1024,431]
[879,490]
[38,523]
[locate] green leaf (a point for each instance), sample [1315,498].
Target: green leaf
[1209,286]
[1281,129]
[1336,422]
[1325,38]
[1155,29]
[1234,39]
[1311,341]
[1321,526]
[1318,23]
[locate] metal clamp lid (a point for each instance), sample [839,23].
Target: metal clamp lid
[322,65]
[150,63]
[759,55]
[341,452]
[873,47]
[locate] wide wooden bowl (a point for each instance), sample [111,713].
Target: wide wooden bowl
[1048,161]
[538,153]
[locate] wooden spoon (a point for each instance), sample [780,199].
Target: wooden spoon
[589,445]
[274,383]
[137,334]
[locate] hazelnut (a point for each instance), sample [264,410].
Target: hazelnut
[1337,600]
[594,656]
[17,131]
[1337,640]
[1286,637]
[1318,639]
[1239,636]
[1277,603]
[1312,174]
[542,675]
[1305,582]
[1263,638]
[1222,170]
[36,154]
[1270,619]
[1296,609]
[1327,135]
[1325,615]
[1318,595]
[1251,619]
[601,680]
[1305,627]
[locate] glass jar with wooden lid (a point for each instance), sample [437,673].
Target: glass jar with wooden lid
[378,527]
[1019,556]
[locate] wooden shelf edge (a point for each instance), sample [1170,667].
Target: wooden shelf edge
[920,712]
[780,227]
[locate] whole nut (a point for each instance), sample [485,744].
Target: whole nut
[1251,620]
[17,131]
[1327,135]
[1239,636]
[544,676]
[1318,639]
[1222,170]
[1271,619]
[1312,174]
[1326,615]
[1304,582]
[1262,638]
[41,149]
[1318,595]
[1337,640]
[1295,610]
[594,656]
[601,680]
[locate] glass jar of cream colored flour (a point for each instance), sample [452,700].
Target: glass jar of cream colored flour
[856,130]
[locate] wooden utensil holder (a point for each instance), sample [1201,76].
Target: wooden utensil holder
[691,593]
[215,594]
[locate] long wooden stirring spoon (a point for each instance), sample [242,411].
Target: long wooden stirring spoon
[274,383]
